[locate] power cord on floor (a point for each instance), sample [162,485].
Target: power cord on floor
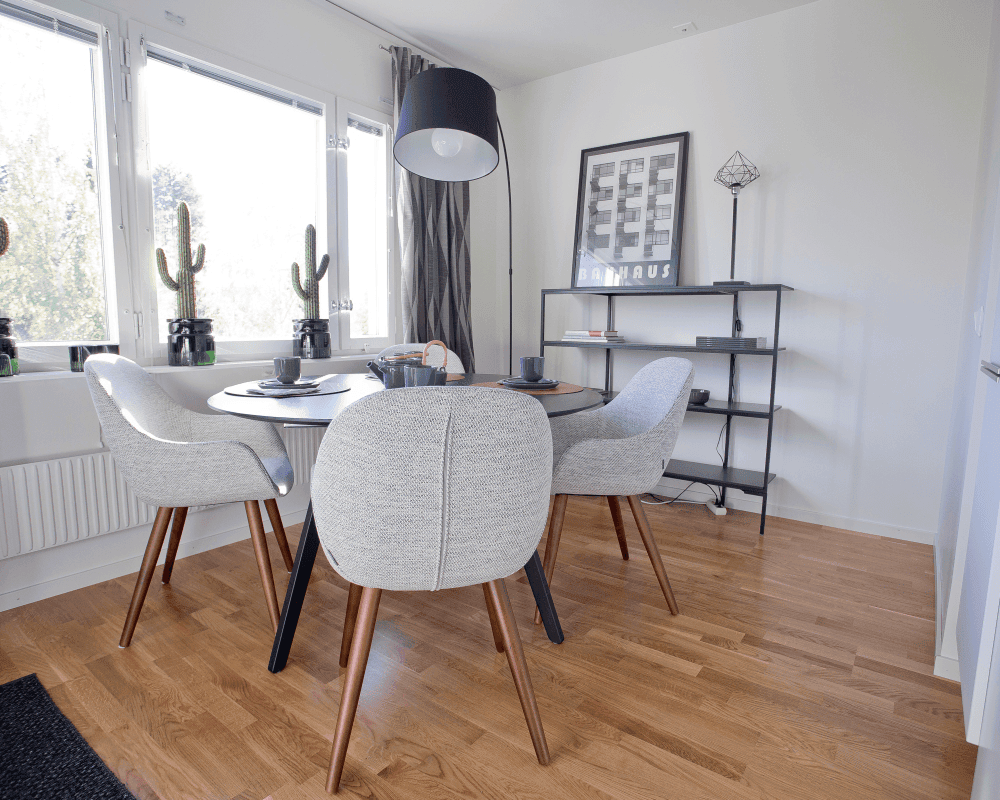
[659,500]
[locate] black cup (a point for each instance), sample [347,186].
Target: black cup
[531,367]
[287,370]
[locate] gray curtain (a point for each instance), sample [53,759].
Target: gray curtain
[434,233]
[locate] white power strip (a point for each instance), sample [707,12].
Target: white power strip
[719,511]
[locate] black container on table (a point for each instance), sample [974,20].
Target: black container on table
[8,347]
[311,338]
[78,353]
[190,343]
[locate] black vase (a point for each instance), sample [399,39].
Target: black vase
[311,338]
[190,343]
[78,353]
[8,348]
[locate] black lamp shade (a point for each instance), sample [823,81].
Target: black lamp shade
[461,107]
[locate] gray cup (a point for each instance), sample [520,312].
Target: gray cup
[531,367]
[287,370]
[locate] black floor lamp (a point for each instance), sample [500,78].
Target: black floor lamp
[448,132]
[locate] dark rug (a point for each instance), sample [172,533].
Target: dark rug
[42,756]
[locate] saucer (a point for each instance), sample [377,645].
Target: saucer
[308,382]
[521,383]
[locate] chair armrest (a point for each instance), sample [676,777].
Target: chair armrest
[261,436]
[607,466]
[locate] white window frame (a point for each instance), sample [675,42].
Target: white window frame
[346,109]
[112,137]
[327,234]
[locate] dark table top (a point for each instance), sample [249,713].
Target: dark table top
[321,409]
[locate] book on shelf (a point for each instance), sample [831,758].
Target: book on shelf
[593,339]
[584,334]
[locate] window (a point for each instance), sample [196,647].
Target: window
[248,165]
[632,165]
[628,239]
[604,193]
[598,241]
[662,212]
[633,190]
[656,163]
[57,280]
[603,170]
[661,187]
[630,215]
[657,237]
[601,218]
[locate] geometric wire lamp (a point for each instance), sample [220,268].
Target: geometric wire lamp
[736,173]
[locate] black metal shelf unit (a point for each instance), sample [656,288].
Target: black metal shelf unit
[724,476]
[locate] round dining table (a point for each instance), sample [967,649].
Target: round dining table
[321,410]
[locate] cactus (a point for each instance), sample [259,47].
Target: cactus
[310,291]
[184,285]
[4,236]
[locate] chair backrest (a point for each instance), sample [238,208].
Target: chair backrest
[124,393]
[432,488]
[654,402]
[434,356]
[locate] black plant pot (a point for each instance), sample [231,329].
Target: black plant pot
[311,338]
[8,347]
[190,343]
[78,353]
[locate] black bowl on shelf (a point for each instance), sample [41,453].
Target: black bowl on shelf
[699,397]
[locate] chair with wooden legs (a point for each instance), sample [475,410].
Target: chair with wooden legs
[621,450]
[174,458]
[427,489]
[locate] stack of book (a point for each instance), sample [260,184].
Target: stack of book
[594,337]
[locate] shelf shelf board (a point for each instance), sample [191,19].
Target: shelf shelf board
[746,480]
[759,410]
[667,290]
[676,348]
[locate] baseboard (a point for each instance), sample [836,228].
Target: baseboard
[946,668]
[670,488]
[96,551]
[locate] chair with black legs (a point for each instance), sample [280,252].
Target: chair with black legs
[174,458]
[426,489]
[620,450]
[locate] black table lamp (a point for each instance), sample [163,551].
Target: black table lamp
[736,173]
[448,132]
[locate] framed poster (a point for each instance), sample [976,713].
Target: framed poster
[630,213]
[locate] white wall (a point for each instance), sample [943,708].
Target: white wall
[864,119]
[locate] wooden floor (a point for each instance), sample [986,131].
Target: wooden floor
[800,667]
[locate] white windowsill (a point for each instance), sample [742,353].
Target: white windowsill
[321,366]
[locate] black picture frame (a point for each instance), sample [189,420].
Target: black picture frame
[633,244]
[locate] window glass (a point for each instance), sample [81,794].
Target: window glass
[249,169]
[367,227]
[52,280]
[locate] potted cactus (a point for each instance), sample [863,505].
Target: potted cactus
[189,342]
[311,337]
[8,347]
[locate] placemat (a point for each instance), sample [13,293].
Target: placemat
[562,388]
[456,377]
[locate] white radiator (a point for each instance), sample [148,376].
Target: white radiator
[47,503]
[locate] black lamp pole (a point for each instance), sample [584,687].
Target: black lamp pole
[510,259]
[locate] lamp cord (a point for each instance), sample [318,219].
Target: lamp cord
[510,259]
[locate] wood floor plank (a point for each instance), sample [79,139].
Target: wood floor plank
[800,663]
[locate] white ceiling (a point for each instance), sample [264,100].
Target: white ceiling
[510,42]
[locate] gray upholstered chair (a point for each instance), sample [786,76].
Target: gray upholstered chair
[174,458]
[621,449]
[435,357]
[426,489]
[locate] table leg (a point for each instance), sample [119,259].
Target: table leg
[543,598]
[305,557]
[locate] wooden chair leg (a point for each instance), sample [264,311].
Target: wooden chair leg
[552,542]
[279,532]
[497,594]
[361,646]
[153,547]
[180,514]
[350,620]
[263,559]
[494,624]
[654,553]
[616,515]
